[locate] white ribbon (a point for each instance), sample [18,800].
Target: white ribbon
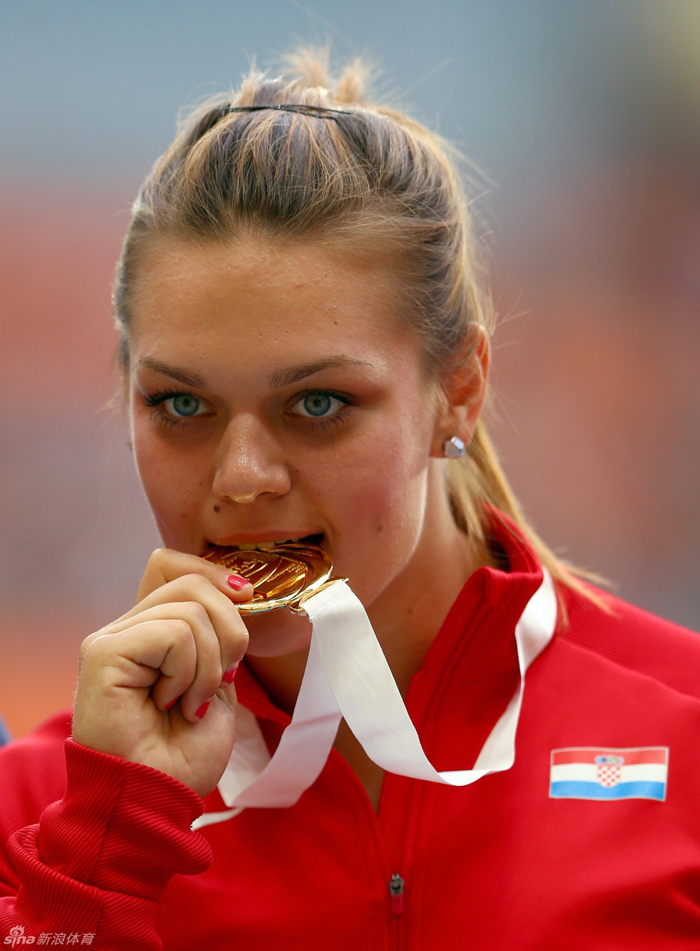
[348,676]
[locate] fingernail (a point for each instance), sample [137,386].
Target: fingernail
[236,582]
[230,674]
[203,709]
[171,704]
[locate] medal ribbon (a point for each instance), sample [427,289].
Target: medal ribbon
[348,676]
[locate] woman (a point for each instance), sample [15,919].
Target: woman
[304,344]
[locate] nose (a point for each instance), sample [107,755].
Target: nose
[249,463]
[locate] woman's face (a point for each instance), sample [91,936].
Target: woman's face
[276,394]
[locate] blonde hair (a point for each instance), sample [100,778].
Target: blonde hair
[361,173]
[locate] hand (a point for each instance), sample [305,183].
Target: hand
[145,680]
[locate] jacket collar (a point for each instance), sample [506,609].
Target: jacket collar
[479,624]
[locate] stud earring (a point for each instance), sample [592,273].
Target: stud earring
[453,448]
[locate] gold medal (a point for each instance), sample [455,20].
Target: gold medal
[282,577]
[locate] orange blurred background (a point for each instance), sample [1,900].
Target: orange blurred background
[596,273]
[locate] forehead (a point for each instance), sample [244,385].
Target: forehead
[231,276]
[271,298]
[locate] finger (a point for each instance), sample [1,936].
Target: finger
[220,640]
[132,660]
[227,693]
[191,688]
[166,565]
[169,657]
[197,590]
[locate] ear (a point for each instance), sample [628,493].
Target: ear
[463,393]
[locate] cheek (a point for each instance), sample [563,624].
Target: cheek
[379,487]
[171,486]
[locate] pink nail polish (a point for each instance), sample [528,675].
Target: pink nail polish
[203,709]
[230,674]
[171,704]
[236,582]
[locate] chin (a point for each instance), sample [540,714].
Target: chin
[276,633]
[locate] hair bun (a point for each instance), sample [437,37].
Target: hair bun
[310,65]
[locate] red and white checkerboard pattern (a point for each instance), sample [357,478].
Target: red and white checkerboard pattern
[608,774]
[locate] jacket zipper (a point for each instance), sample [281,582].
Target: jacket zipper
[396,887]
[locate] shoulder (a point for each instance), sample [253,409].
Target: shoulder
[33,773]
[635,640]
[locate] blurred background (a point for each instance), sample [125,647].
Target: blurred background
[584,118]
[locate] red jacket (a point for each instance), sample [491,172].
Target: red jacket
[498,865]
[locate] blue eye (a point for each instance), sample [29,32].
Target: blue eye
[318,405]
[184,404]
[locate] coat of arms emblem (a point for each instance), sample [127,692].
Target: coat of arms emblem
[609,769]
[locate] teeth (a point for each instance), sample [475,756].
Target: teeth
[262,546]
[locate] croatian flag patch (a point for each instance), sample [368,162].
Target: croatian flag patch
[589,772]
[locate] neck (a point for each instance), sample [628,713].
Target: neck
[406,617]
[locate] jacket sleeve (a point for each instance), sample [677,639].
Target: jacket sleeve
[98,860]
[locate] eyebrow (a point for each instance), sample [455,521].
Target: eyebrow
[278,379]
[291,375]
[186,377]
